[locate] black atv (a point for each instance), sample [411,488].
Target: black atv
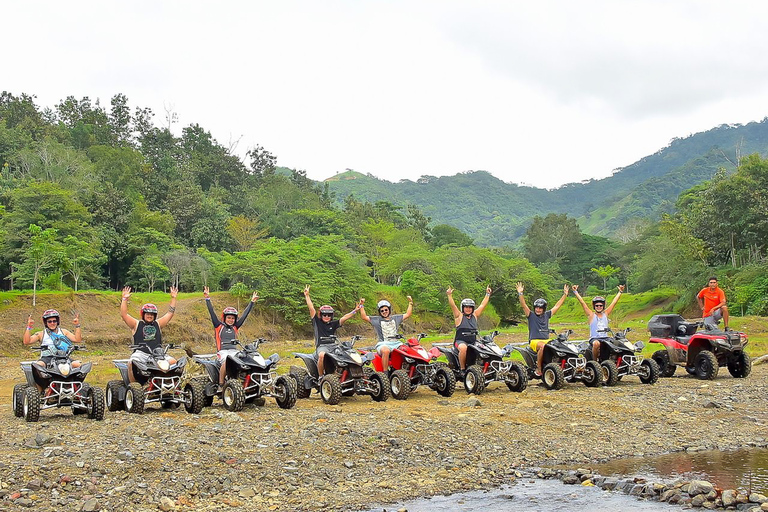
[250,378]
[563,362]
[620,357]
[345,373]
[157,381]
[485,364]
[63,386]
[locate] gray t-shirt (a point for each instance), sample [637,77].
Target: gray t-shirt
[538,326]
[386,329]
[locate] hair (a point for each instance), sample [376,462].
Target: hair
[713,278]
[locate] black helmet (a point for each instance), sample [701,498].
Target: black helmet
[540,303]
[598,300]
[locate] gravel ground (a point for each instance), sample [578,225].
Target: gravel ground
[346,457]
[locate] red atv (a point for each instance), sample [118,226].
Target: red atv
[410,365]
[700,353]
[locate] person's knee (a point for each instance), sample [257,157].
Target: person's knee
[724,309]
[40,363]
[385,351]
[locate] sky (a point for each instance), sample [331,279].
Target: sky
[541,93]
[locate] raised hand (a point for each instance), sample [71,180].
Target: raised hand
[126,293]
[306,291]
[30,322]
[488,290]
[174,292]
[520,287]
[255,297]
[621,288]
[565,289]
[449,291]
[76,321]
[410,299]
[575,288]
[206,292]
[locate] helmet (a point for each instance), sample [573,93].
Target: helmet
[148,308]
[468,302]
[325,308]
[51,313]
[598,300]
[229,311]
[384,304]
[540,303]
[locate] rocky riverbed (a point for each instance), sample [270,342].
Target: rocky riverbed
[346,457]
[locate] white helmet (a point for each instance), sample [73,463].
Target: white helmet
[383,304]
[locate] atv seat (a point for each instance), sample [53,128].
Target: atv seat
[669,326]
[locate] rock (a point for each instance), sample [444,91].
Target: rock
[571,480]
[609,484]
[474,402]
[729,497]
[756,497]
[42,439]
[697,487]
[35,484]
[246,493]
[698,500]
[91,505]
[24,502]
[764,506]
[668,494]
[711,405]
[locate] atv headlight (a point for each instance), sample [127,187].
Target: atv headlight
[409,360]
[496,350]
[423,353]
[356,358]
[260,360]
[163,365]
[64,368]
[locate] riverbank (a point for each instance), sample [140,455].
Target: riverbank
[346,457]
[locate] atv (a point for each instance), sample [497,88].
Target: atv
[249,379]
[411,366]
[700,353]
[156,381]
[63,386]
[563,362]
[619,357]
[345,373]
[485,364]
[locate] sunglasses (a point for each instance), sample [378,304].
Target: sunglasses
[384,309]
[599,305]
[329,315]
[51,321]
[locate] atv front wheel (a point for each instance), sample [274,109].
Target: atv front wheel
[649,371]
[95,403]
[706,365]
[194,396]
[610,372]
[285,392]
[517,378]
[474,380]
[400,383]
[445,381]
[593,375]
[330,389]
[18,400]
[380,384]
[134,398]
[31,404]
[113,395]
[740,365]
[234,396]
[553,376]
[665,365]
[300,374]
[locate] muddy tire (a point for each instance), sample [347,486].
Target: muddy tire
[649,372]
[380,383]
[610,372]
[400,384]
[706,365]
[740,365]
[31,404]
[593,377]
[665,366]
[445,381]
[95,403]
[233,395]
[194,396]
[285,392]
[18,400]
[113,395]
[474,380]
[299,374]
[134,398]
[330,389]
[517,379]
[553,377]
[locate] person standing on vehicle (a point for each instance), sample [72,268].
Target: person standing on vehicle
[598,318]
[712,303]
[466,323]
[52,336]
[386,326]
[147,331]
[324,326]
[226,330]
[538,322]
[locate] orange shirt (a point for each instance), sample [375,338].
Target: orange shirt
[711,298]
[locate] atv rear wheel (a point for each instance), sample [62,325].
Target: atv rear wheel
[740,365]
[299,374]
[517,378]
[31,404]
[194,396]
[285,392]
[553,376]
[474,380]
[706,365]
[134,398]
[18,400]
[445,381]
[593,376]
[610,372]
[400,383]
[95,403]
[649,371]
[233,395]
[380,384]
[113,395]
[666,367]
[330,389]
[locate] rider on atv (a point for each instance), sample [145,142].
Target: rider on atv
[466,323]
[52,337]
[598,318]
[146,332]
[325,327]
[386,326]
[226,330]
[538,322]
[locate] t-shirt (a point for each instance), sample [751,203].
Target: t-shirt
[711,298]
[386,329]
[538,326]
[324,329]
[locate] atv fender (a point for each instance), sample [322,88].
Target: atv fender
[529,356]
[453,359]
[310,361]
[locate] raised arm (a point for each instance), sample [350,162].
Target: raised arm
[248,308]
[452,303]
[520,290]
[409,311]
[349,315]
[311,306]
[363,314]
[562,299]
[77,337]
[131,322]
[29,338]
[163,320]
[615,300]
[587,311]
[484,303]
[215,321]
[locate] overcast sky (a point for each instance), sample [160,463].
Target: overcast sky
[538,92]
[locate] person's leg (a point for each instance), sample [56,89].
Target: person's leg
[76,364]
[222,372]
[463,356]
[539,357]
[724,311]
[384,352]
[130,371]
[596,350]
[320,361]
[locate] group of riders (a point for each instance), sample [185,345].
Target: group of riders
[147,330]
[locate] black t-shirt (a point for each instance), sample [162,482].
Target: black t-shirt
[324,329]
[148,336]
[538,326]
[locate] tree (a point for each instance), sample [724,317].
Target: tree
[550,238]
[239,291]
[42,252]
[443,234]
[245,232]
[605,272]
[148,269]
[81,259]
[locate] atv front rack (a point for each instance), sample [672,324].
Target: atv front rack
[63,394]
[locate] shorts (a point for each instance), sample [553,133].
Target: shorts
[392,344]
[714,318]
[321,349]
[456,343]
[140,356]
[535,344]
[222,354]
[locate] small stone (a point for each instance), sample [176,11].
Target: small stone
[24,502]
[698,500]
[349,464]
[697,487]
[729,497]
[247,493]
[35,484]
[711,405]
[571,480]
[91,505]
[756,497]
[473,402]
